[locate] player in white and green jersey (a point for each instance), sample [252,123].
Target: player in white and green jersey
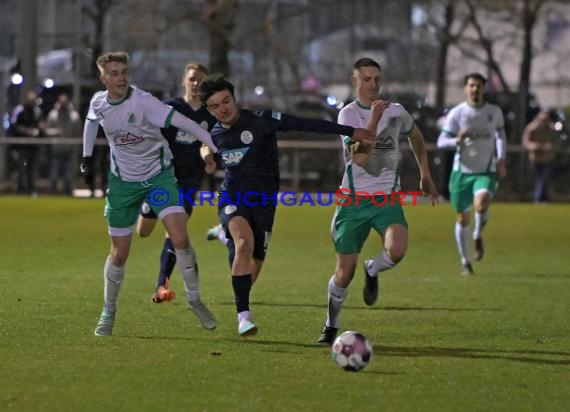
[371,169]
[140,170]
[475,129]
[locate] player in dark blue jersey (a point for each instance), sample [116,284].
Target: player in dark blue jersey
[247,144]
[191,160]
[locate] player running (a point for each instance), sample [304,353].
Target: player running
[247,144]
[141,168]
[476,130]
[191,159]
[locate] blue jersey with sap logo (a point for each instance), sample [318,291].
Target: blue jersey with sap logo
[184,147]
[249,148]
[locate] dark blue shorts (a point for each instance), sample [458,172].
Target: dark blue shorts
[260,219]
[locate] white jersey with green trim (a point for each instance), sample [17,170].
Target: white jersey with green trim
[132,127]
[485,124]
[380,174]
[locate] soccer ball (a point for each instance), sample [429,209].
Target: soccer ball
[351,351]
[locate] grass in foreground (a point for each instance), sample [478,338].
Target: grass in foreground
[496,341]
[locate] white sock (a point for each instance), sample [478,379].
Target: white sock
[186,261]
[113,276]
[380,263]
[336,300]
[480,222]
[462,241]
[222,236]
[245,315]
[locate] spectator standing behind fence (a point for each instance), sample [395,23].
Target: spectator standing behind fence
[539,138]
[27,121]
[63,121]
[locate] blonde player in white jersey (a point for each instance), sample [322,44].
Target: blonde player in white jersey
[140,170]
[371,170]
[475,129]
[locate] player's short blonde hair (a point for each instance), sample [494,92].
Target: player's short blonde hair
[115,56]
[195,66]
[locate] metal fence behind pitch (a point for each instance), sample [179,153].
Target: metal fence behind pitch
[306,165]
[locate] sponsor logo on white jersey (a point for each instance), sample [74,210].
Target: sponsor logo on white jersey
[385,143]
[121,139]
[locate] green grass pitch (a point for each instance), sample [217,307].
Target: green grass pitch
[498,341]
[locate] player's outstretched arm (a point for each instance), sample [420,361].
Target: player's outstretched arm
[364,136]
[289,122]
[191,127]
[418,146]
[208,157]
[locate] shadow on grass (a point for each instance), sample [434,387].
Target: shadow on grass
[237,339]
[393,308]
[466,353]
[272,346]
[431,351]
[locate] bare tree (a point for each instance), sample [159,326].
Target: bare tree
[447,38]
[280,50]
[486,42]
[219,18]
[97,11]
[441,20]
[529,16]
[523,15]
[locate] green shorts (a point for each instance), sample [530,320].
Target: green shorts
[351,224]
[463,187]
[124,199]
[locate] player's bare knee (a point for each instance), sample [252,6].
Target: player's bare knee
[119,257]
[180,242]
[143,233]
[482,201]
[343,278]
[463,219]
[344,274]
[243,246]
[482,207]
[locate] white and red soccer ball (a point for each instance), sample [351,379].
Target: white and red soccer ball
[351,351]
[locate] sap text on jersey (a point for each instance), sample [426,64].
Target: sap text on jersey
[234,157]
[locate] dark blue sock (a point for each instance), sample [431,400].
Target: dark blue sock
[242,286]
[167,263]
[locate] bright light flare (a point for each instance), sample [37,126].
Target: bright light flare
[17,79]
